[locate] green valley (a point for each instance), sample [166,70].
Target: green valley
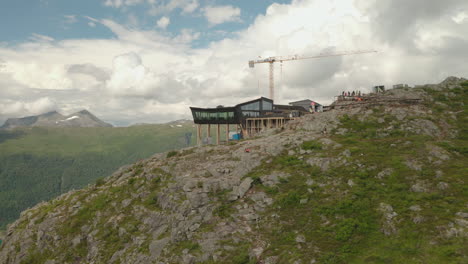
[40,163]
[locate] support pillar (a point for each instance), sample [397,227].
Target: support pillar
[199,134]
[227,133]
[209,130]
[217,134]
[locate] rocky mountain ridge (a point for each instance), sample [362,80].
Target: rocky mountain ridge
[362,184]
[81,118]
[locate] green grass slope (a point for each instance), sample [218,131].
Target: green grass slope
[40,163]
[345,216]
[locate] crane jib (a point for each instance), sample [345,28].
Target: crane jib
[271,60]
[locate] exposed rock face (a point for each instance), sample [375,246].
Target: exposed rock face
[305,194]
[449,83]
[44,119]
[420,187]
[54,119]
[389,219]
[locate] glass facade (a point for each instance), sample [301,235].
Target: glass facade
[233,115]
[213,116]
[267,106]
[255,106]
[250,113]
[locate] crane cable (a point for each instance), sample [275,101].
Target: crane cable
[281,74]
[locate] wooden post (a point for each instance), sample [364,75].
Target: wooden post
[217,135]
[227,133]
[209,130]
[199,134]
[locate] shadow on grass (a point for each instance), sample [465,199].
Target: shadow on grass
[7,135]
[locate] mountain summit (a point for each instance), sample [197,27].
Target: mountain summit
[381,180]
[82,118]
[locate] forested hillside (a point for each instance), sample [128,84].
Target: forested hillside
[40,163]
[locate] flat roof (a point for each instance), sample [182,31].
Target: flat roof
[305,100]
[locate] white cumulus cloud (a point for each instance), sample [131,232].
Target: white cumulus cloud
[120,3]
[163,22]
[24,108]
[163,7]
[221,14]
[190,7]
[130,77]
[460,17]
[39,75]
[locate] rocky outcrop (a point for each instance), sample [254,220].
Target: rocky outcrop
[389,219]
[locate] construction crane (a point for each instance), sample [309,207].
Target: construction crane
[272,60]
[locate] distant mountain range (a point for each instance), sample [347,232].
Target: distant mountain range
[54,119]
[178,123]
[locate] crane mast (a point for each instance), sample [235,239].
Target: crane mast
[272,60]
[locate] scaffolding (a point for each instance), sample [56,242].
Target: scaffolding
[259,124]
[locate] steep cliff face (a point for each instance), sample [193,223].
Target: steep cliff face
[370,183]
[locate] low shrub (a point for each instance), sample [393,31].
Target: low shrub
[172,154]
[311,145]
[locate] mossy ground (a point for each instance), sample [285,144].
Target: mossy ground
[342,224]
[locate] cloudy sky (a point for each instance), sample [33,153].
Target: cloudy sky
[131,61]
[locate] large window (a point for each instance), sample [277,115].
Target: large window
[225,115]
[255,106]
[267,106]
[250,113]
[202,115]
[213,116]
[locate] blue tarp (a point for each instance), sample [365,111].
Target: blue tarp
[236,137]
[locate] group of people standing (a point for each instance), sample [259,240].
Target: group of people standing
[353,93]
